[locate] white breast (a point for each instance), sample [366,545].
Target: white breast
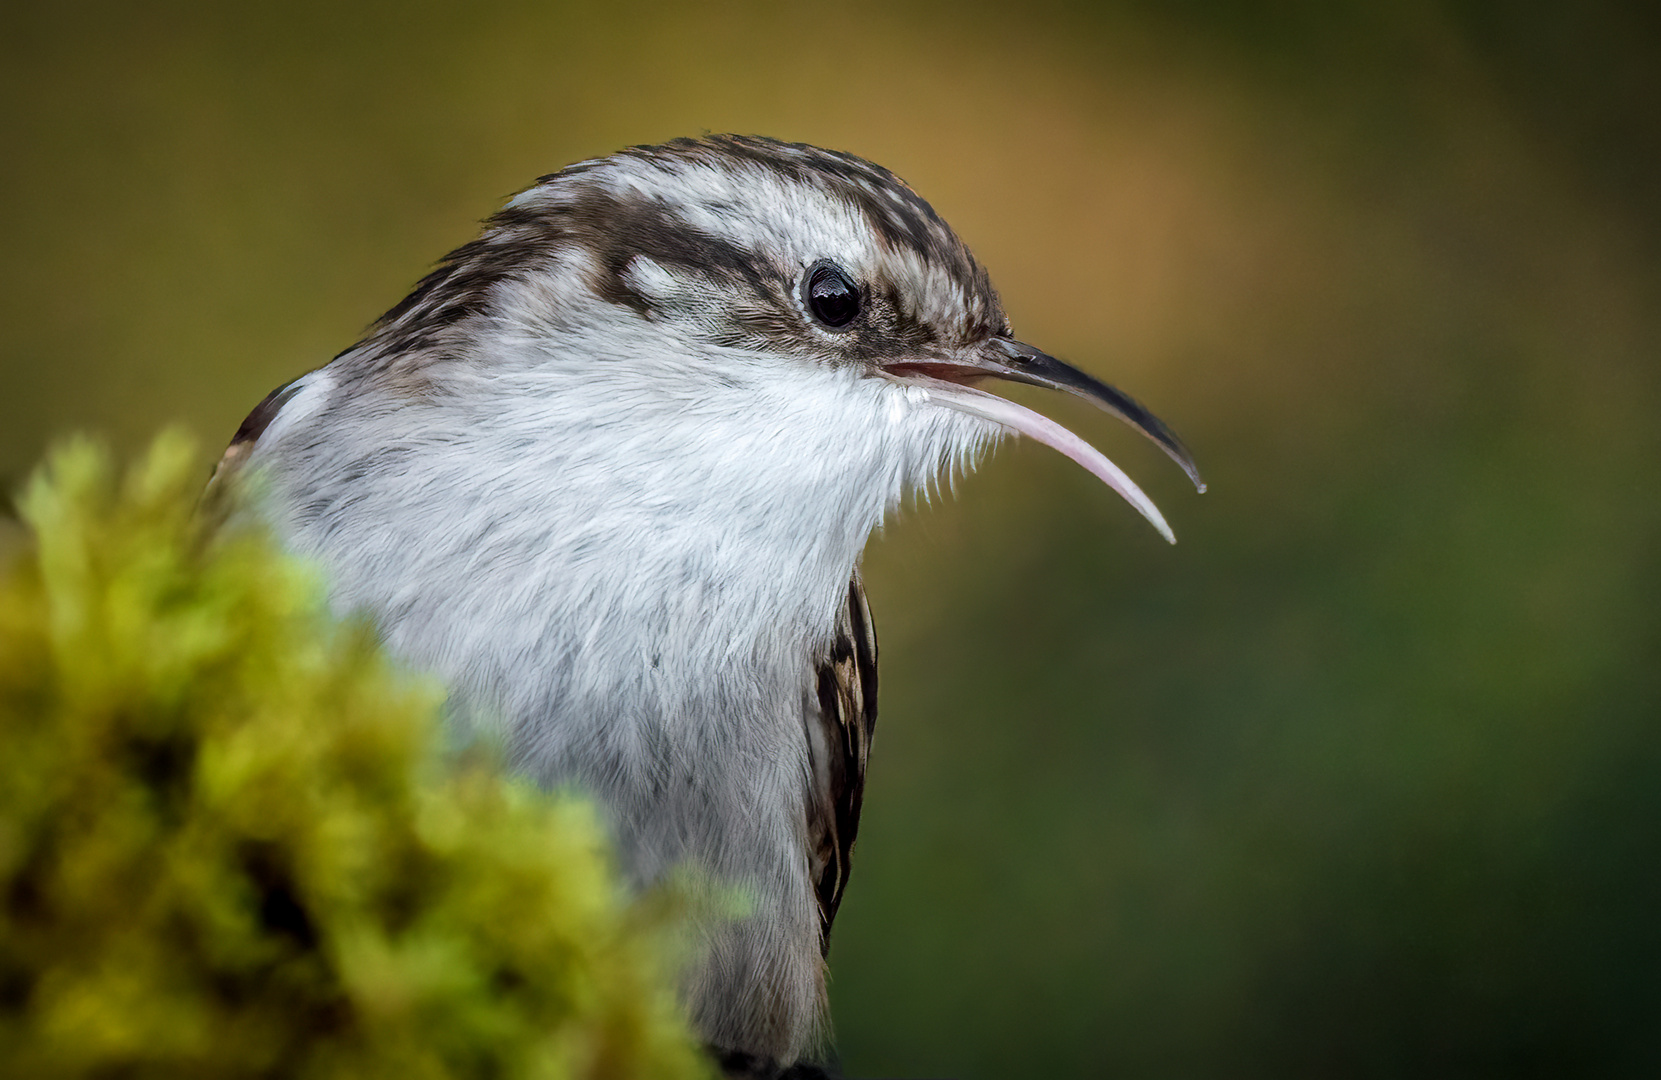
[622,558]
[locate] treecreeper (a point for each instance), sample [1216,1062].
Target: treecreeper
[608,471]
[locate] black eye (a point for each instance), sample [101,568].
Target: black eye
[833,299]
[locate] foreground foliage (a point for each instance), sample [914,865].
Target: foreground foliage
[229,845]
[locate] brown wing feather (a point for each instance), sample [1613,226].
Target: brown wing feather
[215,505]
[839,738]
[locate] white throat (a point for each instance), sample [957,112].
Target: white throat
[589,516]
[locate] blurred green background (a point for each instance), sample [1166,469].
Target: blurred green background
[1363,779]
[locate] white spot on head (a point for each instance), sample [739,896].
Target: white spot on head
[645,276]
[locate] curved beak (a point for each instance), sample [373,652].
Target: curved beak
[948,383]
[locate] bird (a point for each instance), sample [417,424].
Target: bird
[609,470]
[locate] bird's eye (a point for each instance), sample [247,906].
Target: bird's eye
[831,296]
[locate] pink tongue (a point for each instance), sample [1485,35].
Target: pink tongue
[1024,421]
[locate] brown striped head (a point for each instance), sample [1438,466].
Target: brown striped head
[725,245]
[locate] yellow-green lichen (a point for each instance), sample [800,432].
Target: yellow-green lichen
[229,845]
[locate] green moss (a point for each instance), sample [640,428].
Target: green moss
[229,845]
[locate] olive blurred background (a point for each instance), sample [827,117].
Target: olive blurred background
[1361,779]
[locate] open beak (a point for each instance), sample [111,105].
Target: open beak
[948,384]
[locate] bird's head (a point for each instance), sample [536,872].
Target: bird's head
[727,260]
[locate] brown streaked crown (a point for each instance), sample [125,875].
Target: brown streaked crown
[589,210]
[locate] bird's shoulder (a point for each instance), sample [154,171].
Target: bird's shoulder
[839,734]
[217,496]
